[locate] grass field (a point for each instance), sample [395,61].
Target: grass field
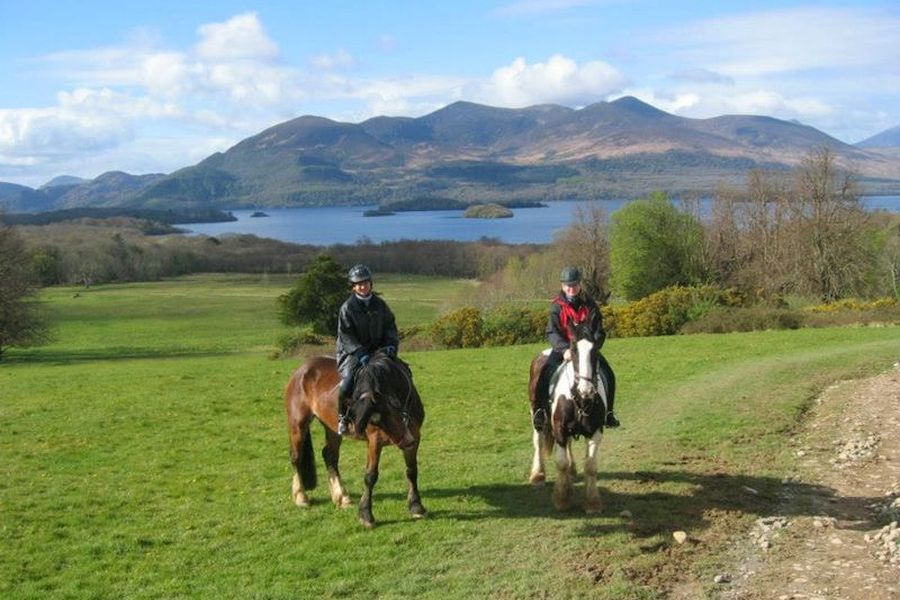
[143,454]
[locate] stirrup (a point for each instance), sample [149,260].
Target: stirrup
[611,421]
[539,419]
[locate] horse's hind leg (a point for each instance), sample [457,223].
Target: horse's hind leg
[412,480]
[563,488]
[303,460]
[592,502]
[537,475]
[331,454]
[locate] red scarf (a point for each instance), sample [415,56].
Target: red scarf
[569,314]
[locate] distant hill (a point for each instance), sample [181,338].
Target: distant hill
[63,180]
[889,138]
[114,188]
[472,153]
[20,198]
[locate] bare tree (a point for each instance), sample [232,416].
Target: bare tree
[585,244]
[830,229]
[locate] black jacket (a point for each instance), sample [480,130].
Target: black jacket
[363,328]
[555,332]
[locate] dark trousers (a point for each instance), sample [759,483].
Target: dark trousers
[605,372]
[347,367]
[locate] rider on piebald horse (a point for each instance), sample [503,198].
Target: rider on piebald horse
[572,305]
[365,325]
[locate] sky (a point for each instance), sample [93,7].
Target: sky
[149,87]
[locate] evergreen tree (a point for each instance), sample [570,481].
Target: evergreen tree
[20,322]
[316,297]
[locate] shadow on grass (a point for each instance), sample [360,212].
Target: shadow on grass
[697,499]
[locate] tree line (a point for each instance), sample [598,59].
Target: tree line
[802,233]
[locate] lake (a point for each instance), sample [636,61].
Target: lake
[323,226]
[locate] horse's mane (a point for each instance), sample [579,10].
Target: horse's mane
[381,371]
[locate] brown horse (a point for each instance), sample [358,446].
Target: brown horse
[577,408]
[385,409]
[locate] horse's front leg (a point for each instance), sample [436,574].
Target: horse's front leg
[412,480]
[371,478]
[537,475]
[563,488]
[331,454]
[592,502]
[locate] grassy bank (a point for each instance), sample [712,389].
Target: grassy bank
[144,455]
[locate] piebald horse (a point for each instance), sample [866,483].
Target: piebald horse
[385,409]
[577,408]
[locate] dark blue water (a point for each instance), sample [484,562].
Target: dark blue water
[346,225]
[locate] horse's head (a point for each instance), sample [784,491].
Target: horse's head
[583,359]
[382,398]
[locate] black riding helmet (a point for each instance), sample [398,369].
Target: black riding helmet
[570,275]
[359,273]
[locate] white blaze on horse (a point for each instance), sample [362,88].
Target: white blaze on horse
[577,408]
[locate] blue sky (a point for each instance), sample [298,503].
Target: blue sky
[93,86]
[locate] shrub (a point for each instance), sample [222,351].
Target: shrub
[853,304]
[506,325]
[461,328]
[664,312]
[725,319]
[290,343]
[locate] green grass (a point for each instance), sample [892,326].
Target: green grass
[143,454]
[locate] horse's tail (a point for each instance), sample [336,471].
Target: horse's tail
[308,463]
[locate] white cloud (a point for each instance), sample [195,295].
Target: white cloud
[789,40]
[702,76]
[757,102]
[542,7]
[240,37]
[559,80]
[339,60]
[386,42]
[34,135]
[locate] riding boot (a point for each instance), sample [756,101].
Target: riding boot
[343,412]
[541,404]
[609,379]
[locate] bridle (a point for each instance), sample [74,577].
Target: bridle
[584,405]
[404,408]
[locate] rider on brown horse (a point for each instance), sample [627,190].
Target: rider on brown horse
[365,325]
[572,305]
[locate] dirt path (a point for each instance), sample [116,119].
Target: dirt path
[847,543]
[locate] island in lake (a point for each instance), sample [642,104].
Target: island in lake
[487,211]
[258,214]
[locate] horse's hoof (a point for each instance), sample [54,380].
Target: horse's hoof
[366,523]
[301,500]
[345,502]
[537,479]
[592,509]
[418,511]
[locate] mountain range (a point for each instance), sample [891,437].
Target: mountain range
[477,153]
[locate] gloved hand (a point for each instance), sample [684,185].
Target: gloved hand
[390,351]
[363,359]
